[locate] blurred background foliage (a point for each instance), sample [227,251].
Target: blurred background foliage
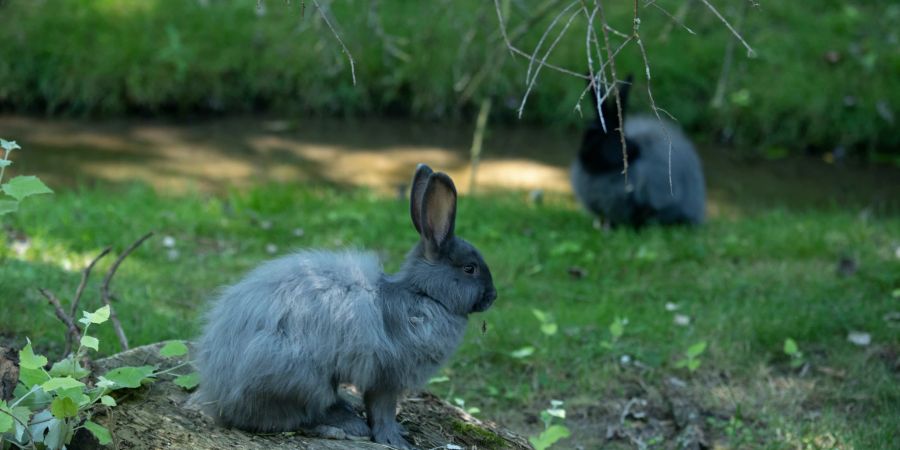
[825,78]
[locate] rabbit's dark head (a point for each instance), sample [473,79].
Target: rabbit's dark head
[442,266]
[601,149]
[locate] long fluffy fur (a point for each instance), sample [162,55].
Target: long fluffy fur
[278,342]
[648,198]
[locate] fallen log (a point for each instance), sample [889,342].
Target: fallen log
[160,415]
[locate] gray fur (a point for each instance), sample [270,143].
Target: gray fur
[648,196]
[278,343]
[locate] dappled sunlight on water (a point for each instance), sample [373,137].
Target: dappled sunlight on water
[215,155]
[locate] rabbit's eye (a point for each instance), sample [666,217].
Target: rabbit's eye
[469,268]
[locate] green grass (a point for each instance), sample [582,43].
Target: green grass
[437,61]
[747,285]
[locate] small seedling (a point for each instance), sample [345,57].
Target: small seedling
[554,430]
[18,188]
[548,325]
[616,331]
[793,351]
[472,410]
[691,358]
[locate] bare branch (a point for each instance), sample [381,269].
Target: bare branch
[544,61]
[521,52]
[750,52]
[615,85]
[338,37]
[73,331]
[105,294]
[84,279]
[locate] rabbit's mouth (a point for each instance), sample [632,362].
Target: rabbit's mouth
[486,301]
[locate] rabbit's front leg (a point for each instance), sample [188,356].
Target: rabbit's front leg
[381,409]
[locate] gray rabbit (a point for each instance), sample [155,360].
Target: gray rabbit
[277,344]
[600,186]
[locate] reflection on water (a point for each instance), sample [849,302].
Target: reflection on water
[212,155]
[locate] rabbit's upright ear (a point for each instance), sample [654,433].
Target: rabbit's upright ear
[438,213]
[417,193]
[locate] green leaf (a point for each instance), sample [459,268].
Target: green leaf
[549,437]
[8,206]
[617,328]
[439,379]
[25,186]
[5,163]
[28,360]
[523,352]
[33,398]
[540,315]
[23,415]
[173,348]
[696,349]
[76,394]
[9,145]
[693,364]
[6,420]
[188,381]
[99,431]
[60,383]
[549,328]
[31,377]
[790,347]
[99,316]
[681,363]
[108,401]
[63,408]
[90,342]
[66,368]
[130,377]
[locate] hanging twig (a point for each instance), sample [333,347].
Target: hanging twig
[84,279]
[73,331]
[106,296]
[750,52]
[338,37]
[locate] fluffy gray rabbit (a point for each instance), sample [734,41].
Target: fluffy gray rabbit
[600,186]
[277,344]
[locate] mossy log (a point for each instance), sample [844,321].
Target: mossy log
[159,415]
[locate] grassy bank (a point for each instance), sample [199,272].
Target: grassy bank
[745,286]
[824,76]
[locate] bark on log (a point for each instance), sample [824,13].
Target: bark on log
[159,416]
[9,372]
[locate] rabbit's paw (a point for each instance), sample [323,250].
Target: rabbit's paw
[342,415]
[390,434]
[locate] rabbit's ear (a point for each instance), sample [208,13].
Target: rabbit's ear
[438,213]
[420,180]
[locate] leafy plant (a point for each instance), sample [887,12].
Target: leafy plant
[554,430]
[616,331]
[548,324]
[793,351]
[50,406]
[691,358]
[18,188]
[462,405]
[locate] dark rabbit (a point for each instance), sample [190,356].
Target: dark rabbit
[600,186]
[278,344]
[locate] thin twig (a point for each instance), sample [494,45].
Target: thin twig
[84,279]
[640,44]
[750,52]
[521,52]
[675,18]
[73,332]
[612,70]
[338,37]
[105,294]
[544,61]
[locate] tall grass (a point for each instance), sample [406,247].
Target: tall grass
[825,75]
